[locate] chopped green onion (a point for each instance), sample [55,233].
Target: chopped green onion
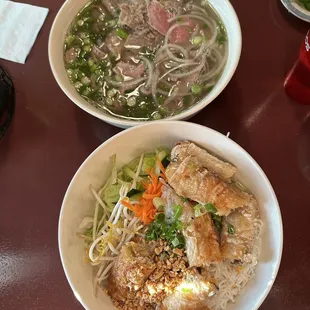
[210,208]
[69,39]
[131,101]
[169,231]
[156,115]
[111,23]
[118,78]
[78,85]
[175,242]
[84,35]
[159,217]
[179,225]
[87,48]
[86,41]
[158,202]
[85,80]
[109,101]
[197,210]
[231,229]
[111,92]
[121,33]
[197,40]
[196,89]
[101,17]
[91,62]
[177,211]
[80,22]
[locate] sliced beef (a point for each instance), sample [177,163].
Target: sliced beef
[182,34]
[158,17]
[114,44]
[174,7]
[133,14]
[111,6]
[144,36]
[129,69]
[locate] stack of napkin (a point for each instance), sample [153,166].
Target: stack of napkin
[19,26]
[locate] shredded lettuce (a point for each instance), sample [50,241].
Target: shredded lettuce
[114,170]
[111,193]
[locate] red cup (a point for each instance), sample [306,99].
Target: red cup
[297,81]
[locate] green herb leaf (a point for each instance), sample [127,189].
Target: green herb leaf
[160,229]
[231,229]
[210,208]
[177,211]
[197,210]
[121,33]
[196,89]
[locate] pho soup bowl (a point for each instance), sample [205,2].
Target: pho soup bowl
[79,202]
[65,17]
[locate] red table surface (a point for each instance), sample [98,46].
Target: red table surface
[50,137]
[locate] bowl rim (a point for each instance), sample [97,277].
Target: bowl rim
[198,126]
[200,105]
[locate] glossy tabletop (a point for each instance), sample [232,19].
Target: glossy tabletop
[50,137]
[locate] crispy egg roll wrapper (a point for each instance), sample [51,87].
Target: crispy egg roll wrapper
[171,199]
[201,242]
[222,169]
[130,270]
[237,245]
[189,299]
[195,182]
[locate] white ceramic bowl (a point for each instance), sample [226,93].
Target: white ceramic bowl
[55,51]
[79,202]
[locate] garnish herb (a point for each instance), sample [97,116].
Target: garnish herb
[210,208]
[171,232]
[231,229]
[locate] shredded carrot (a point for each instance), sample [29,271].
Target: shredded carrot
[127,205]
[161,167]
[145,209]
[151,196]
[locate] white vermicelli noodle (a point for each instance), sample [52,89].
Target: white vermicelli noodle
[231,280]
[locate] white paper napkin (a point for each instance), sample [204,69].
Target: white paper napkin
[19,26]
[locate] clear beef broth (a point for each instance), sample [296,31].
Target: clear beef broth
[145,61]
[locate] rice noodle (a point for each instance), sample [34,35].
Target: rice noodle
[221,61]
[127,84]
[197,69]
[231,280]
[199,9]
[178,67]
[174,45]
[154,86]
[150,71]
